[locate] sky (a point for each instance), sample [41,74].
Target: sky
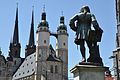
[104,11]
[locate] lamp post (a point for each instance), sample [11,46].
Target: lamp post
[117,69]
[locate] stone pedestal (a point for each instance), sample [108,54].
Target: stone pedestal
[88,72]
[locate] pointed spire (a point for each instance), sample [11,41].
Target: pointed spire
[16,34]
[31,48]
[32,22]
[31,38]
[14,43]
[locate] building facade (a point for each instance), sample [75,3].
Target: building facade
[42,61]
[116,52]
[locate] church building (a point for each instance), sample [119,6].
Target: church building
[42,61]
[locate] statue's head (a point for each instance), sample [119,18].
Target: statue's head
[85,9]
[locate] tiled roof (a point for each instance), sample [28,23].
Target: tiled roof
[52,56]
[27,68]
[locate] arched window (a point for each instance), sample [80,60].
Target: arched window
[15,62]
[0,63]
[51,68]
[56,69]
[45,41]
[0,72]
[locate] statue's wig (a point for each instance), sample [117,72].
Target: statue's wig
[86,8]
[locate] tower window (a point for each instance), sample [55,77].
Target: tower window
[64,43]
[40,28]
[15,62]
[39,55]
[51,68]
[44,41]
[0,63]
[0,72]
[56,69]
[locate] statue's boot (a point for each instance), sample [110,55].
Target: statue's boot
[83,54]
[83,60]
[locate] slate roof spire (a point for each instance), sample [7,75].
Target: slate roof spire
[14,49]
[16,32]
[31,48]
[31,38]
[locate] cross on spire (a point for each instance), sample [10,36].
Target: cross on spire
[62,13]
[44,8]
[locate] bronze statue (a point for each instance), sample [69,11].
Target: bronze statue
[82,24]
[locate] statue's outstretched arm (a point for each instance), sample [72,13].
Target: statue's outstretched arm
[72,23]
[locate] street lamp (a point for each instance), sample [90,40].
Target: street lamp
[117,69]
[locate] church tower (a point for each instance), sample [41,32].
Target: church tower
[30,48]
[14,59]
[14,44]
[62,47]
[42,47]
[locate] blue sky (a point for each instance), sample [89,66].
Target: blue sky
[104,11]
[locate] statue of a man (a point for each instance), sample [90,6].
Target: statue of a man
[81,24]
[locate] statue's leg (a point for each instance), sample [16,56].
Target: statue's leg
[82,49]
[94,53]
[89,44]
